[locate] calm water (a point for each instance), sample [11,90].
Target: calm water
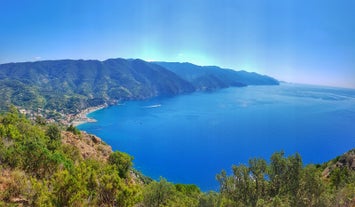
[191,138]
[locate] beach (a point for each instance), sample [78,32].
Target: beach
[82,118]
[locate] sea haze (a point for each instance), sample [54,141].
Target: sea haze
[190,138]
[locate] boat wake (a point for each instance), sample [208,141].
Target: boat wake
[152,106]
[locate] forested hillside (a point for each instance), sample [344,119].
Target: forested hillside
[61,87]
[285,181]
[51,165]
[69,86]
[212,77]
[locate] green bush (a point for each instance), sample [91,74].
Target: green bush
[122,161]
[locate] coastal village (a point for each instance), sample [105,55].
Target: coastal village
[65,119]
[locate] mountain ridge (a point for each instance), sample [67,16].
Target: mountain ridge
[222,77]
[63,87]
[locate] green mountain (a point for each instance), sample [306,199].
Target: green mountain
[213,77]
[45,164]
[69,86]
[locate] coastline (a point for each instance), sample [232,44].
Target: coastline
[82,118]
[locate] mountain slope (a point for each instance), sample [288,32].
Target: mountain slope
[62,87]
[72,85]
[212,77]
[43,165]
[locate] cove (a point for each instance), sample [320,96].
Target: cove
[190,138]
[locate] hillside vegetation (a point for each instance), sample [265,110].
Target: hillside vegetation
[45,165]
[69,86]
[62,87]
[51,165]
[206,78]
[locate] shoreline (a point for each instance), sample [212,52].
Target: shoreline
[82,118]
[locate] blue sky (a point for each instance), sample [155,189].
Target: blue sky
[305,41]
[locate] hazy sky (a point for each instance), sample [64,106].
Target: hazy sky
[306,41]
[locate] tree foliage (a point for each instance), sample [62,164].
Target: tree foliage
[285,182]
[52,174]
[73,129]
[53,132]
[37,169]
[122,161]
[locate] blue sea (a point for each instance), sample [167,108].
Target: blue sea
[190,138]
